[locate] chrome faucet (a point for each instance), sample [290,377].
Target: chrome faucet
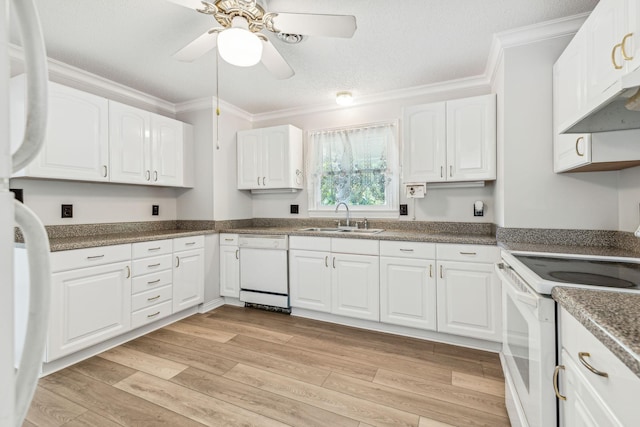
[346,207]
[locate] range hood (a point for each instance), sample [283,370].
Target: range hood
[613,114]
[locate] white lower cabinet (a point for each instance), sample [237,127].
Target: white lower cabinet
[229,266]
[188,273]
[310,280]
[355,286]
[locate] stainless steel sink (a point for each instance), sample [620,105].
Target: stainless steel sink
[322,230]
[364,230]
[344,230]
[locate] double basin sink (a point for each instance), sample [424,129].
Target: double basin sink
[344,230]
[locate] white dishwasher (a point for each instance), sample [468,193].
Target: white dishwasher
[264,272]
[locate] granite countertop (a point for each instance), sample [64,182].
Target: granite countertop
[398,235]
[569,249]
[613,317]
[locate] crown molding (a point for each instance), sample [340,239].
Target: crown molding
[76,77]
[210,103]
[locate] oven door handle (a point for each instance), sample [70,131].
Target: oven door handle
[512,288]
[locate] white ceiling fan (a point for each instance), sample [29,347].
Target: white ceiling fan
[239,40]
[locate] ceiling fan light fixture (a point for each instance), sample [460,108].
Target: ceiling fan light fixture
[239,46]
[344,98]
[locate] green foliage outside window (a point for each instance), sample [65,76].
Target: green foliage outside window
[360,186]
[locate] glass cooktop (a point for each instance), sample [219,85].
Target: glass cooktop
[611,274]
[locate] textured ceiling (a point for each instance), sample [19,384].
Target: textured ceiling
[398,44]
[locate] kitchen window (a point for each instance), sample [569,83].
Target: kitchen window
[356,165]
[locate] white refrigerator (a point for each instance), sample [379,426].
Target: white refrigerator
[19,374]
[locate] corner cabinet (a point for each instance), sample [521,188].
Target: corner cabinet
[270,159]
[450,141]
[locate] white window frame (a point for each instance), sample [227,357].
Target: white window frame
[389,210]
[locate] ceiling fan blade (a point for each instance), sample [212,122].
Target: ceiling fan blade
[191,4]
[274,62]
[315,25]
[198,47]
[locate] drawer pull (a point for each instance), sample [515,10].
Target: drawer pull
[154,265]
[190,243]
[430,270]
[555,382]
[406,250]
[154,249]
[95,257]
[128,272]
[326,261]
[334,262]
[177,261]
[228,240]
[441,273]
[153,281]
[468,253]
[237,252]
[586,364]
[153,298]
[153,315]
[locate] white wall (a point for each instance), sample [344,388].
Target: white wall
[629,199]
[533,195]
[95,202]
[443,204]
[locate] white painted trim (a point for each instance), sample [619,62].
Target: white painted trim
[494,347]
[233,301]
[211,305]
[210,103]
[78,78]
[73,358]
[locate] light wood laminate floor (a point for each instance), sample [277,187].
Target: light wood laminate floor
[244,367]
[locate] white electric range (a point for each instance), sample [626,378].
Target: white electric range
[529,352]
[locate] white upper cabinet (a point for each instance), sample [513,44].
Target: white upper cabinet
[146,148]
[77,140]
[270,158]
[450,141]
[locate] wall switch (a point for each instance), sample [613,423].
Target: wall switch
[67,211]
[404,210]
[19,195]
[294,209]
[155,209]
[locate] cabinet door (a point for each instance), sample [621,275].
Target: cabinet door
[229,271]
[188,279]
[424,143]
[355,286]
[310,280]
[632,37]
[166,151]
[275,157]
[571,150]
[604,28]
[471,138]
[583,407]
[88,306]
[469,300]
[249,160]
[569,74]
[76,143]
[408,292]
[129,144]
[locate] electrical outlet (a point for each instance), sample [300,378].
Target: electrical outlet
[67,211]
[19,194]
[155,209]
[404,210]
[294,209]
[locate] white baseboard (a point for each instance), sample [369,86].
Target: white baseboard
[210,305]
[233,301]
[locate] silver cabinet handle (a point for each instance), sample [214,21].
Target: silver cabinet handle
[177,261]
[334,262]
[263,180]
[237,251]
[406,250]
[155,176]
[153,281]
[581,357]
[441,273]
[153,265]
[190,243]
[128,272]
[258,180]
[228,240]
[154,249]
[430,270]
[153,315]
[451,170]
[468,253]
[326,261]
[441,172]
[106,170]
[153,298]
[555,382]
[148,173]
[95,257]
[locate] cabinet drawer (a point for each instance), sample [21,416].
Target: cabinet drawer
[151,297]
[151,281]
[153,248]
[620,389]
[186,243]
[408,249]
[150,314]
[469,253]
[355,246]
[151,265]
[310,243]
[228,239]
[81,258]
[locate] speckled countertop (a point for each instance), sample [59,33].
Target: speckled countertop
[612,317]
[569,249]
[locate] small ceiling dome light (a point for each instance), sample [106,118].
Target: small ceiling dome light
[344,98]
[239,46]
